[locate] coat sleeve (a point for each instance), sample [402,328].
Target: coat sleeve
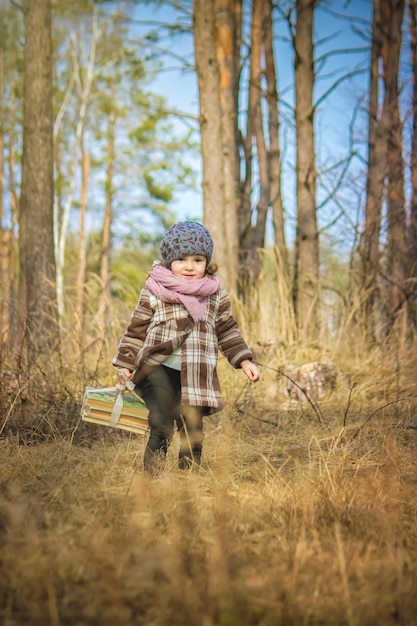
[231,343]
[134,336]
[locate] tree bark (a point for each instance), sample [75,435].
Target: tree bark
[2,132]
[14,198]
[82,257]
[253,235]
[37,265]
[227,16]
[274,154]
[208,76]
[258,235]
[397,257]
[4,233]
[6,277]
[412,233]
[369,246]
[103,312]
[306,280]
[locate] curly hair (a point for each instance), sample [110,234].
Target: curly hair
[211,269]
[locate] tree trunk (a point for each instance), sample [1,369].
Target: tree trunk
[37,304]
[14,199]
[245,208]
[274,154]
[103,312]
[2,132]
[369,247]
[412,238]
[306,281]
[253,236]
[258,230]
[6,276]
[228,15]
[82,259]
[397,257]
[208,76]
[4,233]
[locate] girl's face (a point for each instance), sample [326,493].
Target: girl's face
[189,267]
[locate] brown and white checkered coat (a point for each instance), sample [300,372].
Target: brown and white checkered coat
[157,328]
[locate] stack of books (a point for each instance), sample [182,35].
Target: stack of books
[116,408]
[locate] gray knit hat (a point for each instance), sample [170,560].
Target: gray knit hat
[186,239]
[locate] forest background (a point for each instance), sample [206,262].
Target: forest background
[298,151]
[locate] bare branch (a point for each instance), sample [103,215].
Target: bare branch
[312,403]
[330,37]
[353,20]
[360,33]
[337,83]
[168,52]
[344,51]
[182,115]
[384,406]
[333,222]
[16,4]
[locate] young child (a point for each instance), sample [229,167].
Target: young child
[170,347]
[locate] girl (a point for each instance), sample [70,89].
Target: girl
[170,347]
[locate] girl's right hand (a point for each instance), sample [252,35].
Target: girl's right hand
[123,374]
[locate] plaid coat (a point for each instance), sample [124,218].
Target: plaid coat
[158,328]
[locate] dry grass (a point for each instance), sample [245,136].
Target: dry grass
[293,523]
[301,515]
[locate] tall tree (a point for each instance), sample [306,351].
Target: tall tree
[2,119]
[103,313]
[210,120]
[274,154]
[385,279]
[4,234]
[11,31]
[253,234]
[306,281]
[369,245]
[228,34]
[82,249]
[397,257]
[37,265]
[413,212]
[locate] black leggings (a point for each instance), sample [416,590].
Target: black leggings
[161,390]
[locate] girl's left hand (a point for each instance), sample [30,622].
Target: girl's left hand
[251,370]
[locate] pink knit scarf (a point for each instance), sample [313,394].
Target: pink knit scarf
[193,294]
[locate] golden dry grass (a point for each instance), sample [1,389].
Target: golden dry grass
[301,515]
[288,522]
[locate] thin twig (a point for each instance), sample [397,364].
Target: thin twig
[376,411]
[315,408]
[14,402]
[348,403]
[260,419]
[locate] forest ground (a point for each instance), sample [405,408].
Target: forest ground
[292,520]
